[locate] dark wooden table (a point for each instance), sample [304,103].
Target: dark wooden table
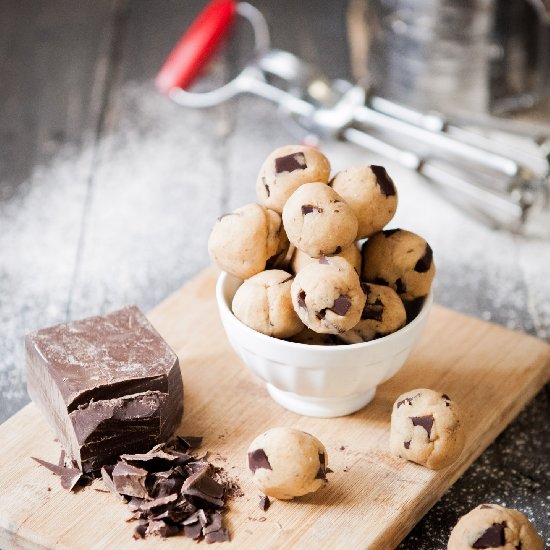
[108,192]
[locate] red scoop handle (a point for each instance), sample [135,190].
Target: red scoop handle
[196,46]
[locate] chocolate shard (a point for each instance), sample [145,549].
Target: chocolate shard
[106,384]
[107,476]
[140,530]
[385,183]
[161,528]
[203,487]
[158,503]
[70,477]
[214,523]
[373,311]
[425,421]
[302,299]
[221,535]
[493,537]
[424,263]
[189,441]
[309,209]
[130,480]
[290,163]
[406,444]
[193,531]
[258,459]
[341,305]
[322,472]
[264,503]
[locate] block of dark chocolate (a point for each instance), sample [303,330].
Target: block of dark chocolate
[107,385]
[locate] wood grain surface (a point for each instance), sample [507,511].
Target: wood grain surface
[371,500]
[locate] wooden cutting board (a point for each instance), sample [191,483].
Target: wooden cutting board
[372,499]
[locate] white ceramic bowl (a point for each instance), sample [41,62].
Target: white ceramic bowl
[322,381]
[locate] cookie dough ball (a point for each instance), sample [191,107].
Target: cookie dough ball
[312,338]
[383,314]
[285,169]
[371,194]
[264,304]
[351,253]
[399,259]
[318,221]
[493,526]
[287,463]
[245,240]
[328,296]
[426,428]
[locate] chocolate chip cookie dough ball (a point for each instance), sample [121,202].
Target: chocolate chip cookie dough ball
[426,428]
[318,221]
[399,259]
[243,241]
[351,253]
[383,314]
[285,169]
[287,463]
[328,296]
[493,526]
[264,304]
[371,194]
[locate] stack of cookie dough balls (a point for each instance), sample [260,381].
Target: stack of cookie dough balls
[305,276]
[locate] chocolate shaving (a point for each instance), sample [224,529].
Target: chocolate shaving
[302,299]
[424,263]
[258,459]
[309,208]
[70,477]
[383,180]
[406,444]
[264,503]
[289,163]
[493,537]
[341,305]
[425,421]
[373,311]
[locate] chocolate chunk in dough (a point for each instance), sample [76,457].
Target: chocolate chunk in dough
[309,208]
[383,180]
[492,538]
[258,459]
[289,163]
[425,421]
[341,305]
[424,263]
